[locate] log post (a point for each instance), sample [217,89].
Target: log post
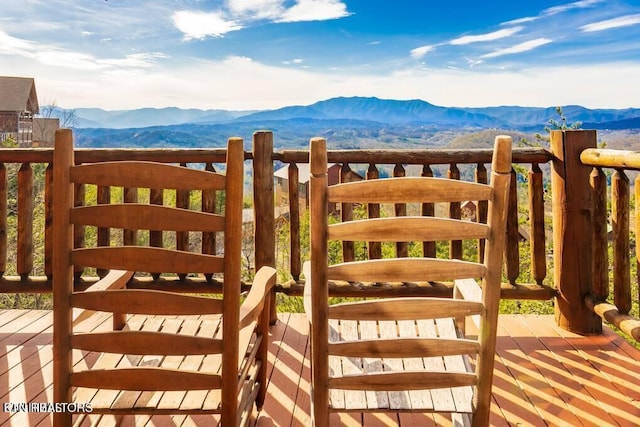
[263,204]
[572,236]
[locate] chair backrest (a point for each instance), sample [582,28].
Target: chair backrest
[397,268]
[406,190]
[144,258]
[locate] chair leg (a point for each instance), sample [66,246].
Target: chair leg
[62,419]
[263,351]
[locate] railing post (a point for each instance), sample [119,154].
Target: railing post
[572,236]
[263,204]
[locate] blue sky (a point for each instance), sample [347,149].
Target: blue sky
[260,54]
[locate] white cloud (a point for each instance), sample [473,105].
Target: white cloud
[519,48]
[135,60]
[496,35]
[314,10]
[622,21]
[521,20]
[295,61]
[200,25]
[256,9]
[421,51]
[582,4]
[54,56]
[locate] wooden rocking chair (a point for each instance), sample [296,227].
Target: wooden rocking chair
[201,355]
[405,354]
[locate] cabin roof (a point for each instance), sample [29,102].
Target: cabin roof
[18,94]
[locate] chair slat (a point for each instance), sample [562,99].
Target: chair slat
[146,217]
[407,229]
[405,270]
[143,342]
[142,301]
[146,175]
[397,381]
[404,309]
[408,190]
[137,258]
[404,347]
[145,379]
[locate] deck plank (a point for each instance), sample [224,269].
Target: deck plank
[555,369]
[581,362]
[583,380]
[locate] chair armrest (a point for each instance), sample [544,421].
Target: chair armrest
[306,270]
[250,309]
[115,279]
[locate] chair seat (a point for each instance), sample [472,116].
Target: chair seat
[159,402]
[456,399]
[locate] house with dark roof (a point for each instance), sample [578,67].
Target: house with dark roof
[18,105]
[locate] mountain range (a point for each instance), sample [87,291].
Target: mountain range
[351,120]
[356,108]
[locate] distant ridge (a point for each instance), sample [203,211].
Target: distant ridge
[394,112]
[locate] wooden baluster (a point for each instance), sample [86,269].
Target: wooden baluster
[537,234]
[373,211]
[25,221]
[48,221]
[600,284]
[156,197]
[512,253]
[182,237]
[620,217]
[295,264]
[130,237]
[78,230]
[428,209]
[3,219]
[348,251]
[482,209]
[208,205]
[263,204]
[455,212]
[103,234]
[402,248]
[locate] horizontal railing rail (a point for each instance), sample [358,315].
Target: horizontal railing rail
[26,221]
[369,160]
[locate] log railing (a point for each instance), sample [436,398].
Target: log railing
[26,223]
[617,165]
[372,162]
[580,282]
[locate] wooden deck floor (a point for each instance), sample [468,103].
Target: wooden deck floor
[544,376]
